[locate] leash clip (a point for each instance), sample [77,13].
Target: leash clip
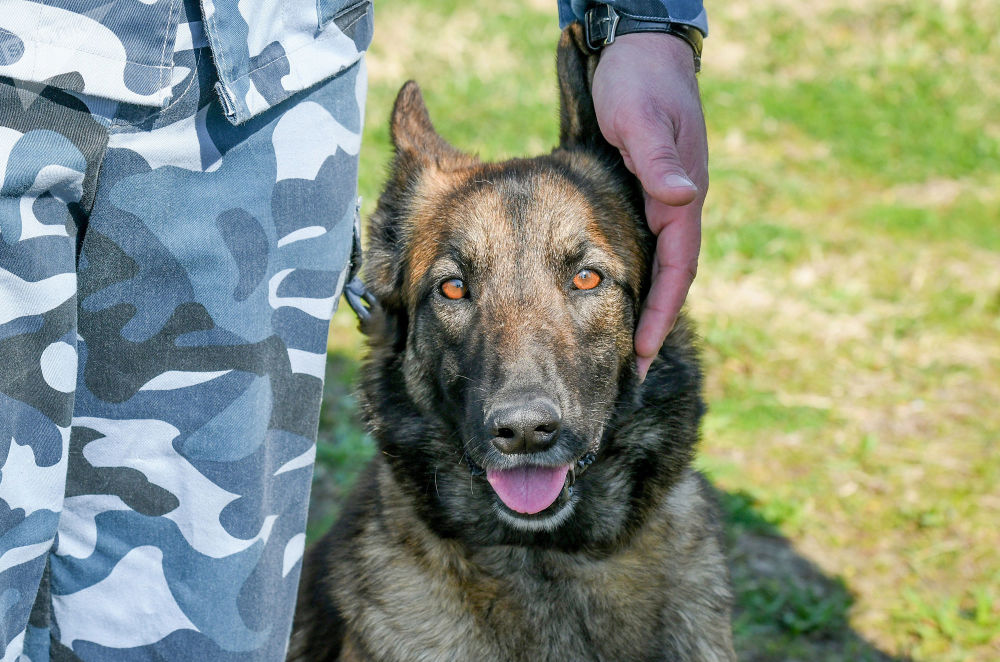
[358,297]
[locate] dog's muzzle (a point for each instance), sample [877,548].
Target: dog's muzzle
[530,424]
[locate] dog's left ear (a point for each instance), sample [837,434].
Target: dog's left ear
[575,65]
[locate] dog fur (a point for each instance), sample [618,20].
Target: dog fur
[426,562]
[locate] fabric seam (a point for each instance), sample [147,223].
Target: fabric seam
[164,75]
[124,125]
[343,10]
[659,19]
[641,17]
[91,53]
[34,31]
[219,53]
[321,38]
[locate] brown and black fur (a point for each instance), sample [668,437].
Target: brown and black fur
[425,563]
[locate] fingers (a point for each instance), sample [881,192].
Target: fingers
[676,265]
[673,212]
[647,104]
[653,153]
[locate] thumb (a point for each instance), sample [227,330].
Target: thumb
[658,167]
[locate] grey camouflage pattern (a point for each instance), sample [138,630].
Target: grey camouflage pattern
[124,50]
[160,389]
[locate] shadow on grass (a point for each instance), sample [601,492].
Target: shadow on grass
[786,610]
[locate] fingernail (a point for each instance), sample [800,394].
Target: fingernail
[642,364]
[678,181]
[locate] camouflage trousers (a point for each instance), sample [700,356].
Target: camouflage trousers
[166,284]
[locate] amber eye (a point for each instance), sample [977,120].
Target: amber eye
[453,289]
[586,280]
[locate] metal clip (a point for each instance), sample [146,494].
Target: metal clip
[358,297]
[609,22]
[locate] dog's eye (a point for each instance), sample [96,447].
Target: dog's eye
[454,288]
[586,279]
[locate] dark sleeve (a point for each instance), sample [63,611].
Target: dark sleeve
[690,12]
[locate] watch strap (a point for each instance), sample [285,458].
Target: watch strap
[603,24]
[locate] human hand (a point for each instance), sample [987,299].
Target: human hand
[648,106]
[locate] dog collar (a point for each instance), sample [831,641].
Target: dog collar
[603,24]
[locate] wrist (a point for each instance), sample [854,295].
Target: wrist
[603,25]
[665,50]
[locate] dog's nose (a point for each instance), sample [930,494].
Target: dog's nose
[529,426]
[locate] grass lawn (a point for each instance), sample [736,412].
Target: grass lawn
[848,299]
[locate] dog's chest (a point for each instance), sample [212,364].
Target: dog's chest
[541,612]
[566,620]
[601,611]
[524,617]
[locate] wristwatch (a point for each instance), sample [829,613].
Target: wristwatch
[602,24]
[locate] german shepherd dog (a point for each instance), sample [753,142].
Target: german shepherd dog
[530,500]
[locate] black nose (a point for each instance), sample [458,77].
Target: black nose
[527,426]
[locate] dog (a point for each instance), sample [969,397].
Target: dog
[531,500]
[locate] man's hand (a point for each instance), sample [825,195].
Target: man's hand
[648,106]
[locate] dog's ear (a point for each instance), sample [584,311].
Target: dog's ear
[575,65]
[423,161]
[413,135]
[579,130]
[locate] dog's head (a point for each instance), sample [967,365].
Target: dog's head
[509,295]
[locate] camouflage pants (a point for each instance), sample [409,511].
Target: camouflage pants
[166,283]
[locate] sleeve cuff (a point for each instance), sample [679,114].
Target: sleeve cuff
[687,12]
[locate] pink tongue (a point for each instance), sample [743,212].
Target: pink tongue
[528,490]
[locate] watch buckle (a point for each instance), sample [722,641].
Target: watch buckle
[599,26]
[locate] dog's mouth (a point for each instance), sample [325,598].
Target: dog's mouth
[528,490]
[533,489]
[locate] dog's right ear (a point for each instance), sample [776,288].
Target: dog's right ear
[423,160]
[413,135]
[575,66]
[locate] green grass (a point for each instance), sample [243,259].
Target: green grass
[848,299]
[968,221]
[795,611]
